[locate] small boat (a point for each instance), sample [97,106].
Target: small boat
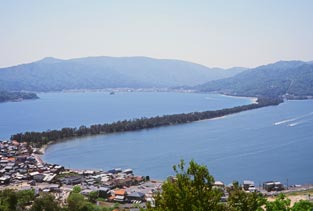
[112,93]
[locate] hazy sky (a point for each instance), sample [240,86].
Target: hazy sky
[210,32]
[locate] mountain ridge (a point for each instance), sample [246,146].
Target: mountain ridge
[290,79]
[52,74]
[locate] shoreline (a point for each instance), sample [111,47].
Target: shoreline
[120,90]
[291,187]
[193,117]
[43,148]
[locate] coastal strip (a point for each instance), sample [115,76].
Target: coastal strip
[22,169]
[39,139]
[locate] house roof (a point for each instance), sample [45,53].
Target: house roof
[120,192]
[11,159]
[248,182]
[14,142]
[218,183]
[136,194]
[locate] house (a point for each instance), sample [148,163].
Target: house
[128,171]
[54,187]
[4,180]
[104,192]
[136,196]
[39,177]
[247,184]
[273,186]
[218,184]
[49,177]
[120,195]
[74,180]
[15,143]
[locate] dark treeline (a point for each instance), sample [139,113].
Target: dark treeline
[38,139]
[16,96]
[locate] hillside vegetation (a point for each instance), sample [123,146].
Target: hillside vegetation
[52,74]
[292,79]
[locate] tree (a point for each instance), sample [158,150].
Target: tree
[189,190]
[25,197]
[240,200]
[92,196]
[280,204]
[302,205]
[75,201]
[45,202]
[76,189]
[8,200]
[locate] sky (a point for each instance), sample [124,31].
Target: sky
[215,33]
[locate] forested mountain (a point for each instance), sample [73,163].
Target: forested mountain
[52,74]
[293,79]
[16,96]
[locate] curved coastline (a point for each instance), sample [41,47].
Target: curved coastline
[38,139]
[153,151]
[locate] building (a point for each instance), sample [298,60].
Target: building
[273,186]
[74,180]
[136,196]
[120,195]
[248,184]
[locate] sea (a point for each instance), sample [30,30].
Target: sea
[271,143]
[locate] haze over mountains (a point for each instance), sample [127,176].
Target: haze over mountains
[51,74]
[293,79]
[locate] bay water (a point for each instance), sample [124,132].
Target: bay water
[271,143]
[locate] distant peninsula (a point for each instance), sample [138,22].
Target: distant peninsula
[6,96]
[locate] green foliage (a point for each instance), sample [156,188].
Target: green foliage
[190,190]
[8,200]
[75,201]
[240,200]
[76,189]
[45,202]
[302,205]
[11,200]
[280,204]
[15,200]
[92,196]
[25,197]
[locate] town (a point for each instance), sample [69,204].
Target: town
[21,168]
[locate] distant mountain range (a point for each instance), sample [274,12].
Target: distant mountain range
[291,79]
[51,74]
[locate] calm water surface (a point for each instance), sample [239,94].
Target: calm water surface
[58,110]
[272,143]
